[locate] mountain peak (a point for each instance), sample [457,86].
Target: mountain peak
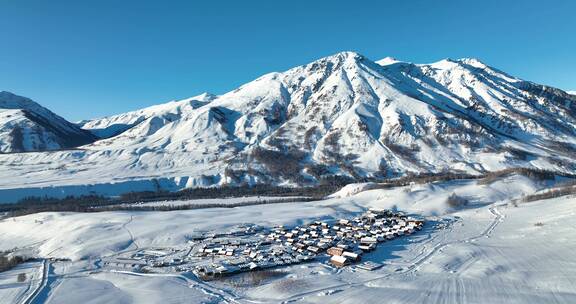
[2,93]
[27,126]
[206,96]
[9,96]
[348,54]
[473,62]
[343,57]
[6,93]
[9,100]
[387,61]
[465,63]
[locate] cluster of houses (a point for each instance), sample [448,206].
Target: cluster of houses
[344,242]
[251,247]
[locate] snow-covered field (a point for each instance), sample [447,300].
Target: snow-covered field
[491,251]
[12,291]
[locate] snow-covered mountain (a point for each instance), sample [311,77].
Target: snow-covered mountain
[342,115]
[26,126]
[151,118]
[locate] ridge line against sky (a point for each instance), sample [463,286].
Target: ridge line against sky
[90,60]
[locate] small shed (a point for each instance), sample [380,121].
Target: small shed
[339,261]
[351,255]
[335,251]
[314,249]
[368,240]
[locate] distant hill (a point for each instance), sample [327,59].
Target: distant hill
[26,126]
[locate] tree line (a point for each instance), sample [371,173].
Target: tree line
[552,193]
[8,262]
[96,203]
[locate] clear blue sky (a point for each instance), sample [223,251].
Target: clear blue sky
[88,58]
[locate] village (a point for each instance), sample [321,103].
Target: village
[250,247]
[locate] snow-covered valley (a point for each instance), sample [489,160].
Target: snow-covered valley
[494,249]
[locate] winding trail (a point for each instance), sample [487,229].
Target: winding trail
[497,219]
[222,295]
[124,226]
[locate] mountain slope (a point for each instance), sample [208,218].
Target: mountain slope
[26,126]
[157,115]
[340,116]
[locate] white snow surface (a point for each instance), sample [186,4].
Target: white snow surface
[340,115]
[490,251]
[352,189]
[148,120]
[12,291]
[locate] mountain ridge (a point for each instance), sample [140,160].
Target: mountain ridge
[26,126]
[339,116]
[114,125]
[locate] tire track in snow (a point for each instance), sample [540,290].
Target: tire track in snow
[31,299]
[124,226]
[221,295]
[440,246]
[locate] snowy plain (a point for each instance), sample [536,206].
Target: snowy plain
[491,251]
[12,291]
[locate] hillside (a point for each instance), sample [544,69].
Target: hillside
[26,126]
[148,119]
